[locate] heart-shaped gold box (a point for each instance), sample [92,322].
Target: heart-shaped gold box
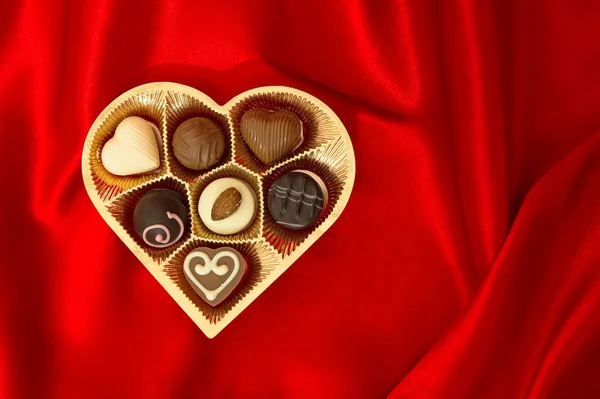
[268,247]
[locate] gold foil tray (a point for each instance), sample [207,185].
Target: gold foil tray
[269,248]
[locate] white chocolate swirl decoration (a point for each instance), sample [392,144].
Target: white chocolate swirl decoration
[214,274]
[210,265]
[160,240]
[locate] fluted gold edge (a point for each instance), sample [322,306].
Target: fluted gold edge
[208,328]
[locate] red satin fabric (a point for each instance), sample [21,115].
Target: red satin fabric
[466,265]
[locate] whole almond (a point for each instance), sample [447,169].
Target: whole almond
[226,204]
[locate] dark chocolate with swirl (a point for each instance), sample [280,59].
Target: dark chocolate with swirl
[296,199]
[160,217]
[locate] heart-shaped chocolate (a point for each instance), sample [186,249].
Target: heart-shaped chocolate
[196,265]
[214,273]
[133,149]
[271,135]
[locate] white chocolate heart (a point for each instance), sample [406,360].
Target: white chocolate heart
[133,149]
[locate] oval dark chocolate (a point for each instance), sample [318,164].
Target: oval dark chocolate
[296,200]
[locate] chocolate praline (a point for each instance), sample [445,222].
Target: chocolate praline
[160,217]
[198,143]
[227,206]
[214,273]
[270,134]
[297,199]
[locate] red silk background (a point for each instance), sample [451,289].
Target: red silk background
[466,265]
